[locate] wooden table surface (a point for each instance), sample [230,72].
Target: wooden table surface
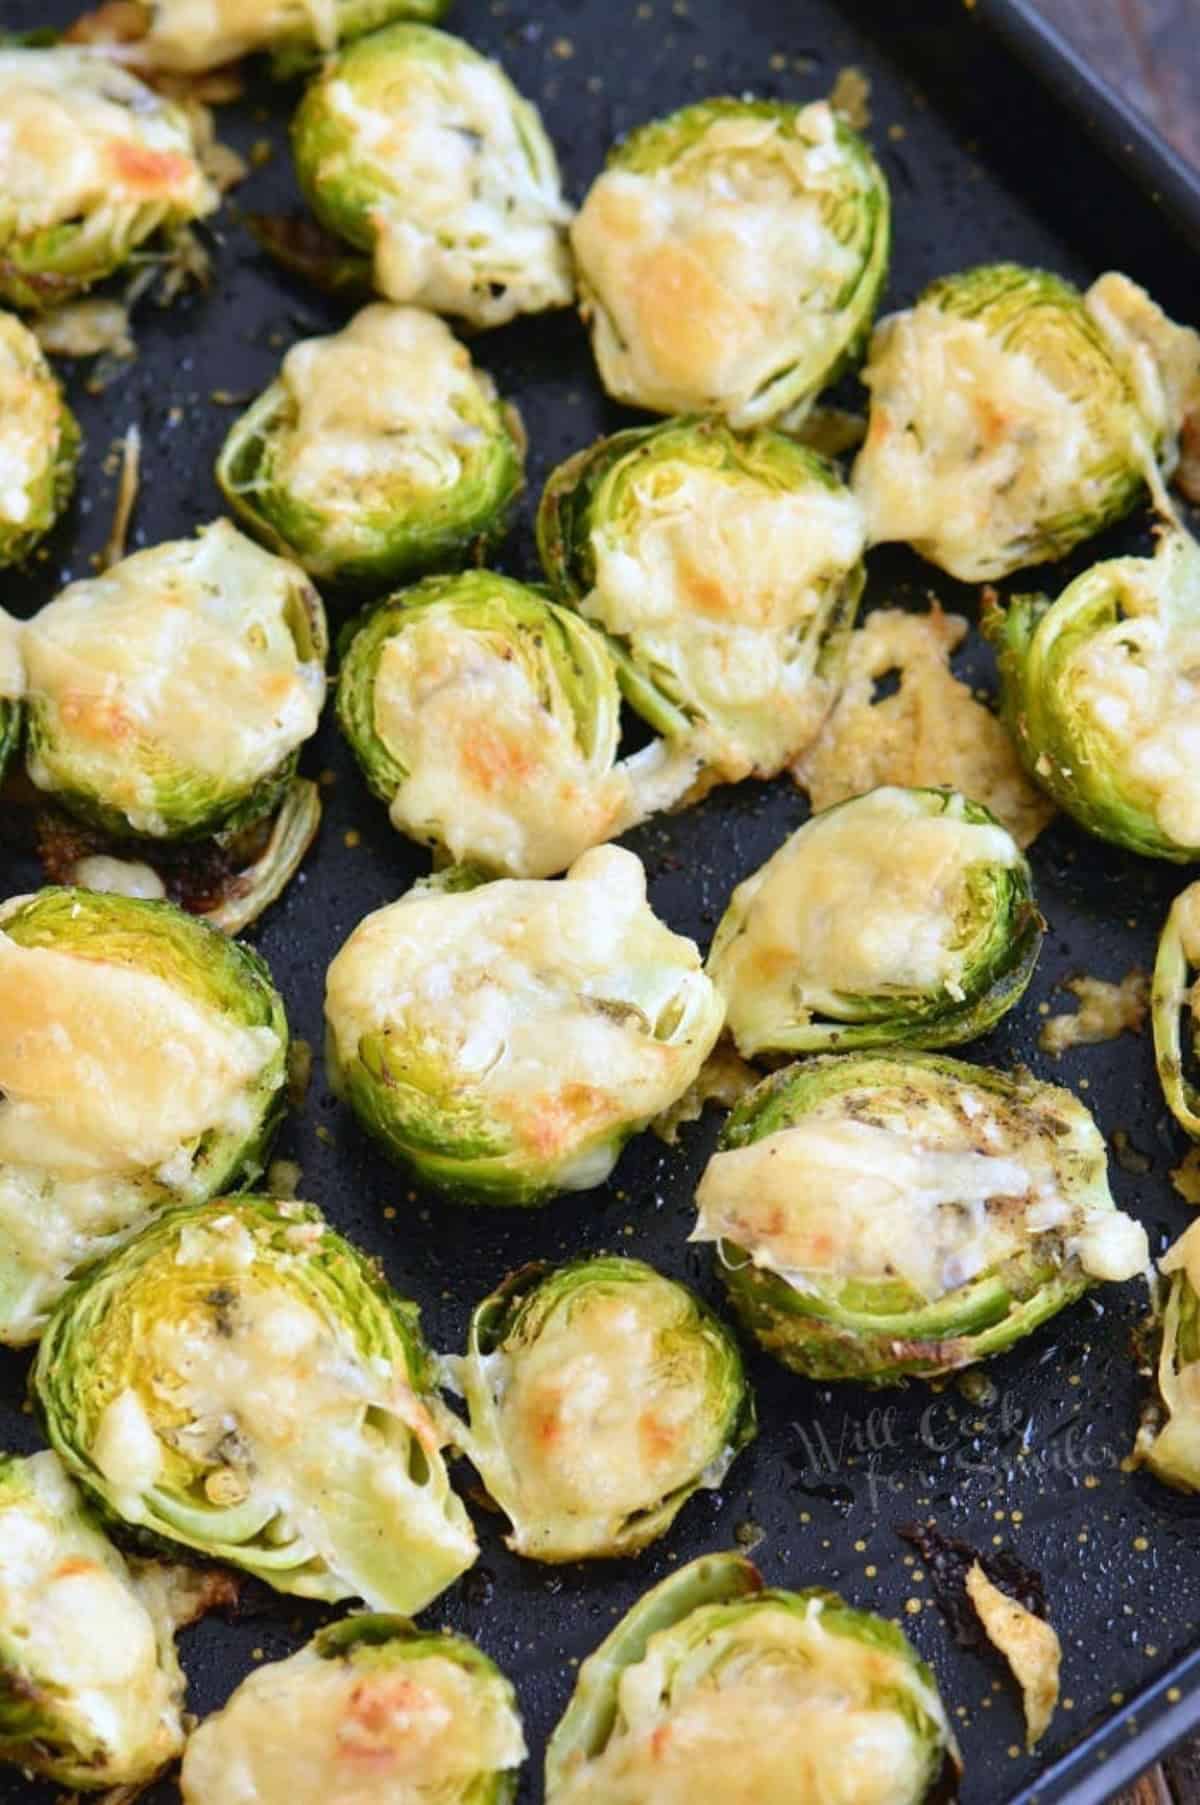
[1149,50]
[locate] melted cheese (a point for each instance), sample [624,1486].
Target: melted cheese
[1161,359]
[31,413]
[12,660]
[1028,1644]
[716,272]
[82,139]
[605,1413]
[309,1731]
[468,220]
[971,446]
[104,1068]
[493,775]
[867,900]
[379,414]
[726,583]
[835,1199]
[51,1226]
[537,999]
[193,35]
[179,662]
[74,1622]
[771,1707]
[1137,681]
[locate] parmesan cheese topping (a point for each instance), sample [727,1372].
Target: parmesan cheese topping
[774,1706]
[12,661]
[179,662]
[80,138]
[379,413]
[970,446]
[869,899]
[717,272]
[201,34]
[493,775]
[468,221]
[725,582]
[335,1732]
[31,413]
[539,999]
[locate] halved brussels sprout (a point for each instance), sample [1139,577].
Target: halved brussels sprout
[167,700]
[601,1396]
[905,916]
[420,152]
[488,719]
[1168,1441]
[1101,692]
[371,1707]
[90,1689]
[194,35]
[377,454]
[243,1382]
[727,567]
[92,163]
[731,258]
[143,1064]
[1175,991]
[713,1688]
[39,442]
[1006,424]
[883,1214]
[504,1041]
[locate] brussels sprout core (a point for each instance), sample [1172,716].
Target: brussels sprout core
[194,35]
[899,916]
[240,1380]
[887,1214]
[92,162]
[421,152]
[712,1688]
[39,444]
[489,719]
[371,1707]
[379,453]
[1101,691]
[142,1064]
[505,1041]
[1169,1440]
[168,698]
[1005,424]
[728,569]
[731,258]
[601,1397]
[90,1689]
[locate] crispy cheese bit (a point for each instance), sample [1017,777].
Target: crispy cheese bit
[1105,1012]
[1186,1176]
[724,1078]
[850,96]
[1029,1645]
[931,731]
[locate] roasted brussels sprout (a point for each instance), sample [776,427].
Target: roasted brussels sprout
[1169,1439]
[420,152]
[488,719]
[728,568]
[371,1707]
[378,453]
[1101,691]
[12,688]
[143,1064]
[504,1041]
[1009,421]
[885,1214]
[901,916]
[713,1688]
[92,163]
[194,35]
[1174,993]
[39,442]
[90,1689]
[241,1381]
[601,1396]
[731,258]
[167,699]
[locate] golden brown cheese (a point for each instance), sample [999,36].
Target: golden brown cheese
[1028,1643]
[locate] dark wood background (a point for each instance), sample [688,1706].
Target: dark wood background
[1150,52]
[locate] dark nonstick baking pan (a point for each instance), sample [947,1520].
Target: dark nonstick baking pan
[987,159]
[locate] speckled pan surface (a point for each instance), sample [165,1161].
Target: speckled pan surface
[981,167]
